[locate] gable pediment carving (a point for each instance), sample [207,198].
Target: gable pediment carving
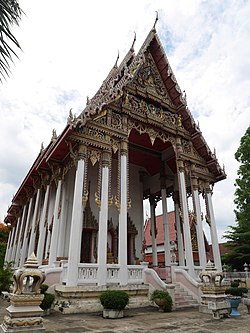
[149,81]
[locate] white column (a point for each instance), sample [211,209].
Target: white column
[26,235]
[62,224]
[8,246]
[166,227]
[123,218]
[34,223]
[178,229]
[13,254]
[6,257]
[76,222]
[11,243]
[17,257]
[42,228]
[213,231]
[55,229]
[186,224]
[49,221]
[179,236]
[153,231]
[199,229]
[103,222]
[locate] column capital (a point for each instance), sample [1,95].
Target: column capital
[45,177]
[180,165]
[208,189]
[106,157]
[82,152]
[22,200]
[29,191]
[124,148]
[36,181]
[195,184]
[56,170]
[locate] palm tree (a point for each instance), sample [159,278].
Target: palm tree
[10,14]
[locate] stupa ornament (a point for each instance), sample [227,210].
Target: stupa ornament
[211,280]
[24,314]
[29,278]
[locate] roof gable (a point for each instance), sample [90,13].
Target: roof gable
[148,82]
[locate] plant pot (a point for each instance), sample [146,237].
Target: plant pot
[234,302]
[161,303]
[112,314]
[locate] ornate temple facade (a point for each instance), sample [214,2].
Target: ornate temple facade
[80,207]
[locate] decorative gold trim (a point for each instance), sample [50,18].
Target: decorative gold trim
[117,203]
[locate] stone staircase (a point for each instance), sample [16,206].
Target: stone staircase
[183,299]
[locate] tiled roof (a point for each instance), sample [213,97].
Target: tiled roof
[160,231]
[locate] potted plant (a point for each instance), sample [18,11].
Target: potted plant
[235,294]
[114,302]
[47,300]
[162,299]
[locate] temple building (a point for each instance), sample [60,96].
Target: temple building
[174,255]
[80,207]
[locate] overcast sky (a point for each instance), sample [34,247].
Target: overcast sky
[70,46]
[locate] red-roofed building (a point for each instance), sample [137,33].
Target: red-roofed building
[172,238]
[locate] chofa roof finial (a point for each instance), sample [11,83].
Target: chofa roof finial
[118,56]
[156,19]
[132,46]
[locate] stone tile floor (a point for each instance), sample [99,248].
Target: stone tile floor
[146,320]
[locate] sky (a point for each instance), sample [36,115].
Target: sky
[68,48]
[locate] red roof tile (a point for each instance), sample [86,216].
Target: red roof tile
[160,231]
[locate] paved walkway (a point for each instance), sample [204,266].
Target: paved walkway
[146,320]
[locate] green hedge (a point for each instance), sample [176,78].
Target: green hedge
[114,299]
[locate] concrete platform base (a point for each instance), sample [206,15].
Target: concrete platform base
[85,299]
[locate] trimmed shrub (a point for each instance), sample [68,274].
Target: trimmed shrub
[235,283]
[114,299]
[44,288]
[48,298]
[47,301]
[161,294]
[234,291]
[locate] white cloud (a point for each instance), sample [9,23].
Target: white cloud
[69,47]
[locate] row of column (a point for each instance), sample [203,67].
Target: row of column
[183,231]
[76,223]
[41,209]
[38,216]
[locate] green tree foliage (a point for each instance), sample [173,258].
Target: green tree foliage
[239,235]
[5,270]
[10,15]
[4,233]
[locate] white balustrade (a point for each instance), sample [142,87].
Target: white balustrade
[113,273]
[87,273]
[135,274]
